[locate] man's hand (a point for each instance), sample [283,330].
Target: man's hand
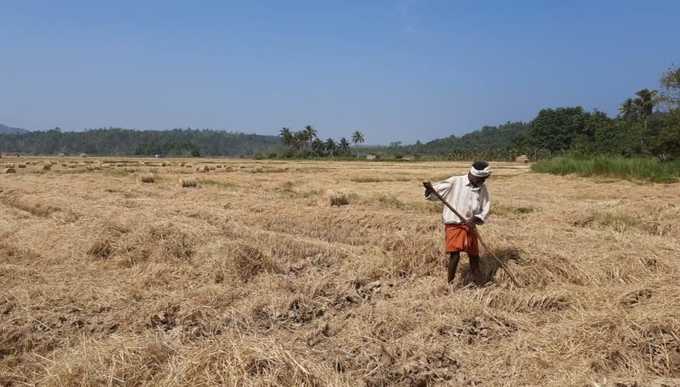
[428,189]
[473,221]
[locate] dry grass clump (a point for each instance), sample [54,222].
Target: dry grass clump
[188,182]
[147,178]
[118,360]
[218,183]
[505,210]
[202,168]
[260,169]
[107,242]
[11,254]
[625,222]
[20,165]
[334,199]
[23,203]
[366,179]
[390,201]
[102,248]
[10,170]
[47,167]
[249,262]
[172,242]
[156,243]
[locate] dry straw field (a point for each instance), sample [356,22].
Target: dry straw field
[239,272]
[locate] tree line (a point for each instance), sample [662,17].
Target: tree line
[116,141]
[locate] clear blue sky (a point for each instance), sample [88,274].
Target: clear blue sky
[397,70]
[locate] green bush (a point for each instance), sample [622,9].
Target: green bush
[647,169]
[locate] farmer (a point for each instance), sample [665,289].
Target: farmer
[469,196]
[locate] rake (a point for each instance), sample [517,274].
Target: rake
[474,230]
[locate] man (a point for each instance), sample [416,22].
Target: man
[469,196]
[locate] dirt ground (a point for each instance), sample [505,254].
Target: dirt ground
[253,278]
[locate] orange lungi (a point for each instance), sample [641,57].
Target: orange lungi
[459,237]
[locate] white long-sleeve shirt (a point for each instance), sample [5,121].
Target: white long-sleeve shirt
[468,200]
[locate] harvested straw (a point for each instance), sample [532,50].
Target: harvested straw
[202,168]
[47,167]
[332,198]
[188,182]
[10,170]
[148,178]
[21,165]
[252,286]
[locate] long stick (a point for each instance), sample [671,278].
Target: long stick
[429,186]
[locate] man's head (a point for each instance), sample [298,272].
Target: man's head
[479,172]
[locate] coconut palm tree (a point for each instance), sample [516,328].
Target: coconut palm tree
[670,81]
[331,147]
[310,133]
[343,146]
[358,137]
[299,139]
[628,109]
[318,147]
[286,136]
[645,102]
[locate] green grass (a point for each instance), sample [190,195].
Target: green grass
[218,183]
[646,169]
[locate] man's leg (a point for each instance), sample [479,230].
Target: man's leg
[453,265]
[473,254]
[474,268]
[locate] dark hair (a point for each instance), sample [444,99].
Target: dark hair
[480,165]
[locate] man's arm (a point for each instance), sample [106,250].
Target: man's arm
[485,200]
[442,187]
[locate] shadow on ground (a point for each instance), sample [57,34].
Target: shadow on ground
[490,266]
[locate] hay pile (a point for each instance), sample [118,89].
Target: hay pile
[188,182]
[334,199]
[148,178]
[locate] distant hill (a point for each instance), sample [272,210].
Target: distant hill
[4,129]
[123,142]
